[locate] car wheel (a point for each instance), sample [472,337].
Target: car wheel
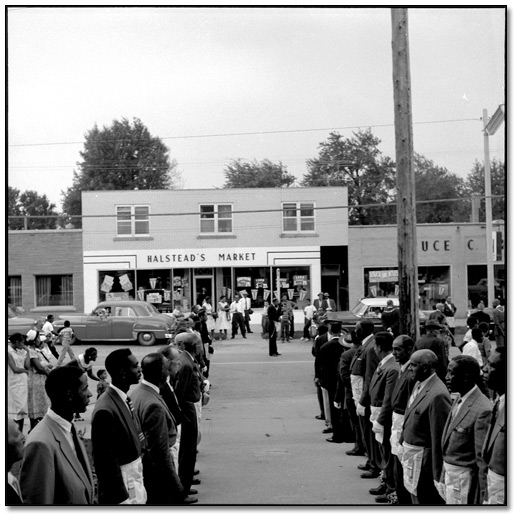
[146,339]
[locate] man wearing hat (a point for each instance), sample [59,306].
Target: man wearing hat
[318,303]
[328,303]
[433,342]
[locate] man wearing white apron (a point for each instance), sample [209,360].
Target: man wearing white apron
[117,441]
[424,420]
[495,445]
[465,470]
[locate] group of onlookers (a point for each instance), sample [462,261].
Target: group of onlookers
[428,416]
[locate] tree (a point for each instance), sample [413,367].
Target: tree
[475,186]
[435,182]
[124,156]
[358,164]
[244,174]
[30,203]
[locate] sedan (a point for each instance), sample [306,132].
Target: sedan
[119,321]
[17,322]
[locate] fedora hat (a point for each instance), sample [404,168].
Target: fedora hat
[432,324]
[346,340]
[331,317]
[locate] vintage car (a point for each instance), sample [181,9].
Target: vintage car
[120,320]
[367,308]
[17,322]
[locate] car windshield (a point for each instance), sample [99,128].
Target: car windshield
[151,309]
[12,312]
[359,309]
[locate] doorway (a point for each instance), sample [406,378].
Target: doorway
[204,288]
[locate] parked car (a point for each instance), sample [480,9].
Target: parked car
[17,322]
[479,291]
[121,320]
[368,308]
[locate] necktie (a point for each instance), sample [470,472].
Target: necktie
[136,421]
[456,408]
[79,452]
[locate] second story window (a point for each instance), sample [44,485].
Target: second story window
[215,218]
[298,217]
[132,220]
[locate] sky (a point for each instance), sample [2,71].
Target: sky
[219,84]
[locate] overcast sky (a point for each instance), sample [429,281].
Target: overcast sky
[213,71]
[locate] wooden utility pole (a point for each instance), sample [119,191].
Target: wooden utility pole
[406,217]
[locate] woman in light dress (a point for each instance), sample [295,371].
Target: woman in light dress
[223,320]
[17,392]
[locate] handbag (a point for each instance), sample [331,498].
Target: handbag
[250,311]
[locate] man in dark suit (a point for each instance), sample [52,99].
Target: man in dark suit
[56,469]
[273,313]
[117,441]
[390,318]
[481,315]
[188,394]
[159,427]
[465,471]
[326,366]
[329,303]
[494,450]
[402,348]
[381,390]
[318,341]
[433,342]
[428,409]
[319,304]
[14,453]
[369,363]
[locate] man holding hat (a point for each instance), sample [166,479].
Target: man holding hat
[433,342]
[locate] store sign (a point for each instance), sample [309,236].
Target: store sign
[384,276]
[436,245]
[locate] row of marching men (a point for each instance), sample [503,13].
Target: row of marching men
[145,430]
[432,430]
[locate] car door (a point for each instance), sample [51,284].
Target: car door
[98,325]
[123,320]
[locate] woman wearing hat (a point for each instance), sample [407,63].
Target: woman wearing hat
[39,367]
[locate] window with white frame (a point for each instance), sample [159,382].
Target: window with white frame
[215,218]
[132,220]
[298,217]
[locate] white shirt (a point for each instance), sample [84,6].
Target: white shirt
[83,365]
[48,328]
[472,349]
[122,395]
[309,311]
[64,425]
[238,307]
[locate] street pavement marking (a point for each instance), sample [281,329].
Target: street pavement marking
[267,362]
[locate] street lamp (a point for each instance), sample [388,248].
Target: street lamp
[490,127]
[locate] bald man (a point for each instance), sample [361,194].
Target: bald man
[426,413]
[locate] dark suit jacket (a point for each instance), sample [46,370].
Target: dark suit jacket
[436,345]
[318,342]
[51,472]
[172,402]
[344,384]
[381,390]
[424,423]
[115,442]
[370,361]
[188,381]
[464,435]
[328,363]
[495,444]
[402,391]
[159,426]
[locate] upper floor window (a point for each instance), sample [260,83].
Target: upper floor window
[132,220]
[215,218]
[298,217]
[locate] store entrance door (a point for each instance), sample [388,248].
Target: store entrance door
[204,288]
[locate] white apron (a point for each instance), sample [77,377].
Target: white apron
[411,466]
[132,474]
[495,489]
[457,482]
[374,415]
[396,431]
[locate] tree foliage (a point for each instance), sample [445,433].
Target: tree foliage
[475,186]
[435,182]
[124,156]
[358,164]
[264,174]
[30,203]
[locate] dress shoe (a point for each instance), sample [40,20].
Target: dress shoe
[196,481]
[378,491]
[276,354]
[370,474]
[382,499]
[319,417]
[328,430]
[355,452]
[196,472]
[191,492]
[188,501]
[334,440]
[363,466]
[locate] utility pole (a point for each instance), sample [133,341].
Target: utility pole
[406,216]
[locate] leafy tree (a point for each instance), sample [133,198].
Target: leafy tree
[435,182]
[124,156]
[30,203]
[475,186]
[244,174]
[358,164]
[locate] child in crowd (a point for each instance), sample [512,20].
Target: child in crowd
[285,319]
[102,383]
[65,337]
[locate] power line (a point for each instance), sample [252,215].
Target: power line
[259,132]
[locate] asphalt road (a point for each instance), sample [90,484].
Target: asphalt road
[261,443]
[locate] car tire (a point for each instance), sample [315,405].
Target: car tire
[146,339]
